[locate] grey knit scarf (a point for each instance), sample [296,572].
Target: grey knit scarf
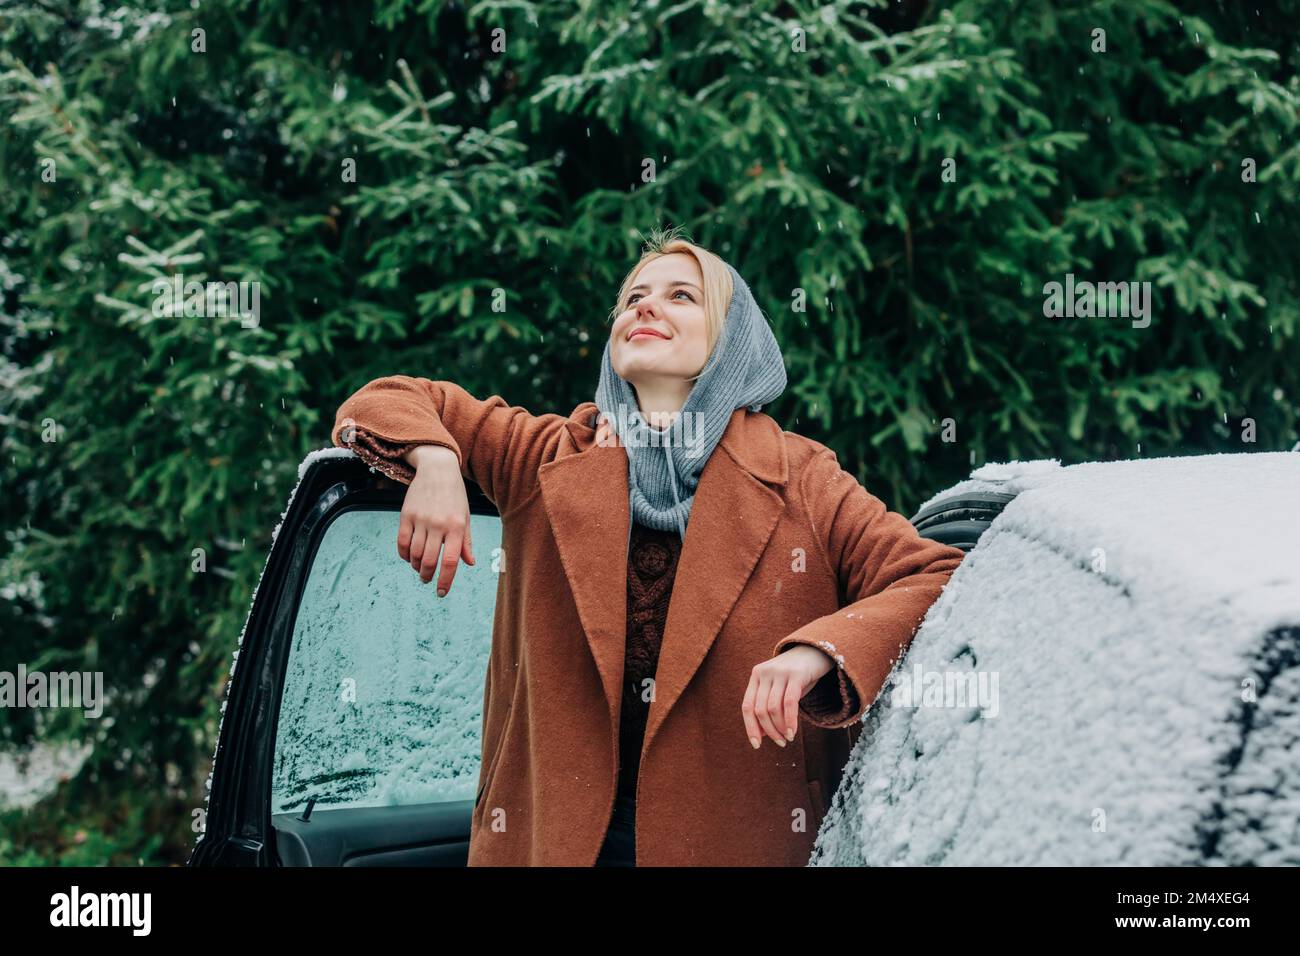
[664,465]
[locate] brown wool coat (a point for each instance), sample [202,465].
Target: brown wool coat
[782,547]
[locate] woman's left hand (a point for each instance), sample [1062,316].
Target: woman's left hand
[775,688]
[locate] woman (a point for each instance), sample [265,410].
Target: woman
[683,581]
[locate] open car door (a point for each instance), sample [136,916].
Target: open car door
[350,734]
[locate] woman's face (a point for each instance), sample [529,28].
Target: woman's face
[660,330]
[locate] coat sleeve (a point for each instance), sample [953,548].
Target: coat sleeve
[499,447]
[887,572]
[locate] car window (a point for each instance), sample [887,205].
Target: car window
[383,694]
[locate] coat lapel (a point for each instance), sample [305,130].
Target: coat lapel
[585,496]
[732,519]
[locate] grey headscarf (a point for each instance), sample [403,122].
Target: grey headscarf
[744,369]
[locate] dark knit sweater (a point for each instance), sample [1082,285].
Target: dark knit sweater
[651,568]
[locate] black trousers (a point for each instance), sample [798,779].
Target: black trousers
[619,848]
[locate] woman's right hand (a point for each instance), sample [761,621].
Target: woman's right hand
[435,516]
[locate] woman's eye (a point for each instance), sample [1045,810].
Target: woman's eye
[631,300]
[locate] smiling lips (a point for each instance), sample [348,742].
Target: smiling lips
[645,330]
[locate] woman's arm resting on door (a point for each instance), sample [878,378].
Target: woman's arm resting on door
[499,447]
[891,575]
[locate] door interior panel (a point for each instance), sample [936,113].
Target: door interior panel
[434,834]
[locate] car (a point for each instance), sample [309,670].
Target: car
[350,731]
[1111,677]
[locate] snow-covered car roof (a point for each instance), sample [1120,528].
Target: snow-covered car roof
[1130,635]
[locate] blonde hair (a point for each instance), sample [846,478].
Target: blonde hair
[717,280]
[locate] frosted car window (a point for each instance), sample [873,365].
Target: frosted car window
[383,695]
